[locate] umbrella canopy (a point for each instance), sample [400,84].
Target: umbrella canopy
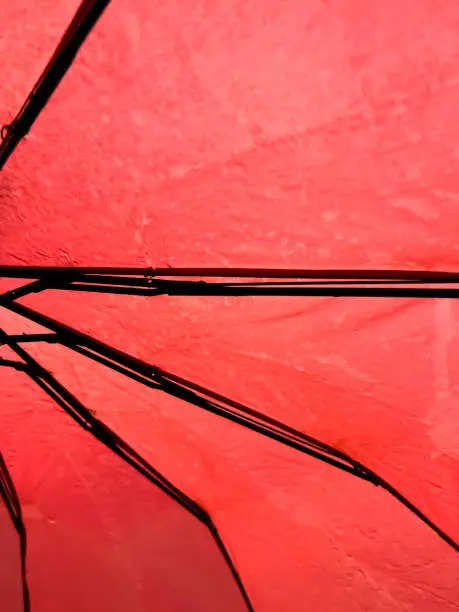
[233,441]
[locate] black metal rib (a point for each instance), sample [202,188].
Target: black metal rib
[180,288]
[11,499]
[14,294]
[220,405]
[21,338]
[82,23]
[425,276]
[318,283]
[9,363]
[75,409]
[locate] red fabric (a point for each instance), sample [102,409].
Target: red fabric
[287,134]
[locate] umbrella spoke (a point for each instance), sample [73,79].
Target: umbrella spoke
[51,281]
[9,363]
[169,281]
[97,272]
[14,294]
[20,338]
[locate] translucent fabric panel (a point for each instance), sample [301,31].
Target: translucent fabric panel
[100,535]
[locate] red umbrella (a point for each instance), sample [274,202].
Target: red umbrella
[258,435]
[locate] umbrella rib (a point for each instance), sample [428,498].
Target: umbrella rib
[81,25]
[425,276]
[34,287]
[200,288]
[9,495]
[20,338]
[316,283]
[97,428]
[221,406]
[9,363]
